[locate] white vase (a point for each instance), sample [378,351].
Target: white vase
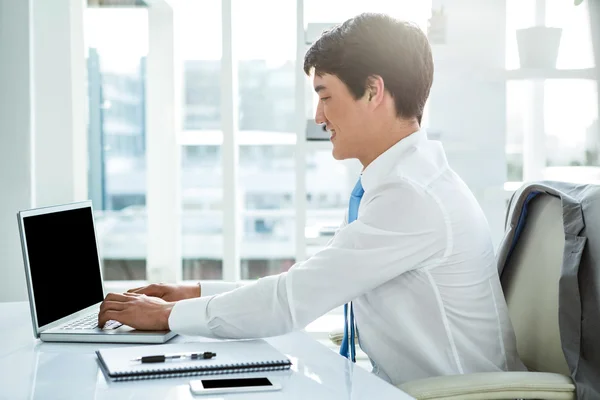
[538,47]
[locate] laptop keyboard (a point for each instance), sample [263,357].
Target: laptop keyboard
[90,321]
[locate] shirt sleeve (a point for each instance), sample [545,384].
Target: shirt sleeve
[210,288]
[399,228]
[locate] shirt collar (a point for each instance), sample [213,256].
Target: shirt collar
[389,158]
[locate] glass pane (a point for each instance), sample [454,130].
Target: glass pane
[517,95]
[266,64]
[519,14]
[328,187]
[267,184]
[201,62]
[202,220]
[572,135]
[266,52]
[201,167]
[575,49]
[116,43]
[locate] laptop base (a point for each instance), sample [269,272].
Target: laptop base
[99,336]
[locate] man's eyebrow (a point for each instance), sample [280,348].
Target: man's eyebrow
[319,88]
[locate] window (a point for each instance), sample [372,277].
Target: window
[198,33]
[195,23]
[202,94]
[575,49]
[272,165]
[517,112]
[267,185]
[266,64]
[556,113]
[572,134]
[116,43]
[202,219]
[198,41]
[328,187]
[520,14]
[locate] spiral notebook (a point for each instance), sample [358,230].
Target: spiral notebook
[233,356]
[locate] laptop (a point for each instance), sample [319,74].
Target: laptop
[64,278]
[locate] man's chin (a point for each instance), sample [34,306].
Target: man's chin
[338,155]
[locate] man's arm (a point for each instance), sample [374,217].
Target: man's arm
[211,288]
[398,230]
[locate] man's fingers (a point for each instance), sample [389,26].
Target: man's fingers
[132,294]
[150,290]
[108,308]
[107,315]
[112,305]
[119,297]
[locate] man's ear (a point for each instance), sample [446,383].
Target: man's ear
[375,89]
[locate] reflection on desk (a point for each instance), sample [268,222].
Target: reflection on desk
[30,369]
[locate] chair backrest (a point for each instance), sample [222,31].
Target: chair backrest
[530,284]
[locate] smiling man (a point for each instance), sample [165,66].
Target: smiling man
[413,263]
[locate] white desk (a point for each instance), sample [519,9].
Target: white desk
[31,369]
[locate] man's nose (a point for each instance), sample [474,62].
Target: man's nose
[320,115]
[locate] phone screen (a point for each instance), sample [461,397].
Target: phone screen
[230,383]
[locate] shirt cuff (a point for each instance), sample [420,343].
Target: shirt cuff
[190,317]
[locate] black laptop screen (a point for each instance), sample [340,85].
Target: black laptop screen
[63,263]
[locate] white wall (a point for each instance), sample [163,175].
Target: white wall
[60,102]
[468,100]
[15,142]
[43,148]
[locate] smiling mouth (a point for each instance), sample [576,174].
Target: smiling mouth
[332,133]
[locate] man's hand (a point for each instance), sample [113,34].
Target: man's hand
[136,310]
[168,292]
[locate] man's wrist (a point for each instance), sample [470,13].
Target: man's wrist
[168,309]
[191,291]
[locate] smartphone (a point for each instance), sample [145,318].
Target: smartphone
[233,385]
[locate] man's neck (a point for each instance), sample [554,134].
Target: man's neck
[386,137]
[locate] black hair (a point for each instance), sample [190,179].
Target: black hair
[376,44]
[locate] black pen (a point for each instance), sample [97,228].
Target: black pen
[162,358]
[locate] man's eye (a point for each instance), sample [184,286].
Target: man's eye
[325,98]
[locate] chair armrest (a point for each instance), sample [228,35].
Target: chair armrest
[337,335]
[493,385]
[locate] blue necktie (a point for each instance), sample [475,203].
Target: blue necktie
[348,345]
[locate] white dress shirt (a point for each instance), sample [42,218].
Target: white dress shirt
[418,265]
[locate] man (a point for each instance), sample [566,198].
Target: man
[413,263]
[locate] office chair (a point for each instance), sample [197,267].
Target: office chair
[530,284]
